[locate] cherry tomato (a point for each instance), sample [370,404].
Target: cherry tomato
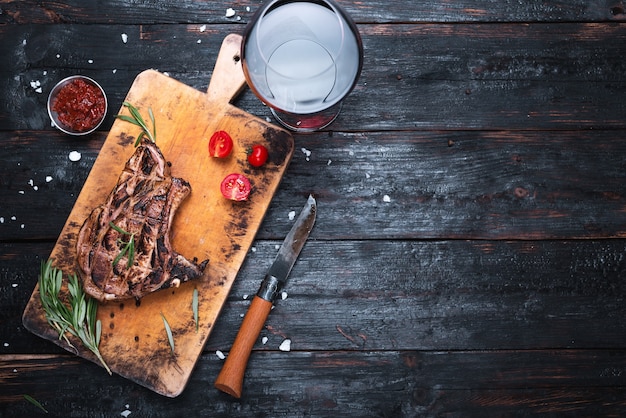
[220,144]
[235,186]
[257,156]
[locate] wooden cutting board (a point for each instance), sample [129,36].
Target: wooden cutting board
[134,341]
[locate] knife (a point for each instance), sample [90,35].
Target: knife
[230,379]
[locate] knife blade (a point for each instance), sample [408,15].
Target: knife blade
[230,378]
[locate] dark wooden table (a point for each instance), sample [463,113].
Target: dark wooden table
[468,258]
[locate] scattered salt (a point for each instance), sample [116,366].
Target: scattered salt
[199,41]
[202,28]
[90,61]
[307,153]
[329,162]
[21,192]
[386,198]
[285,345]
[253,249]
[264,340]
[1,219]
[367,175]
[24,42]
[45,72]
[74,156]
[14,285]
[220,355]
[22,226]
[283,295]
[48,179]
[124,38]
[58,56]
[292,215]
[35,188]
[114,70]
[13,218]
[230,12]
[31,182]
[6,344]
[276,246]
[247,8]
[245,297]
[125,413]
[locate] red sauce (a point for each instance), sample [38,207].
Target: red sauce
[80,106]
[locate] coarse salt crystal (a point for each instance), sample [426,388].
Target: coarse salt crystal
[1,219]
[35,188]
[202,28]
[247,8]
[90,61]
[22,226]
[307,153]
[21,192]
[230,12]
[6,344]
[74,156]
[125,413]
[31,182]
[264,340]
[220,355]
[292,215]
[58,56]
[386,198]
[367,175]
[14,285]
[329,162]
[285,345]
[13,218]
[283,295]
[114,70]
[48,179]
[245,297]
[199,41]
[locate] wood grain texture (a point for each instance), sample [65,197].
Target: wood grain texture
[491,280]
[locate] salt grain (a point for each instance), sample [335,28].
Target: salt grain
[124,38]
[245,297]
[285,345]
[283,295]
[247,8]
[6,344]
[307,153]
[13,218]
[114,70]
[125,413]
[220,355]
[1,219]
[264,340]
[329,162]
[48,179]
[90,61]
[74,156]
[367,175]
[202,28]
[386,198]
[292,215]
[58,56]
[14,285]
[230,12]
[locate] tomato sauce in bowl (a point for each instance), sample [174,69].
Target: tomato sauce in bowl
[77,105]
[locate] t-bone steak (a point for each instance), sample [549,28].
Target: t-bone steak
[142,203]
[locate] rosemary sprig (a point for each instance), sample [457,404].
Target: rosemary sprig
[128,247]
[137,119]
[77,319]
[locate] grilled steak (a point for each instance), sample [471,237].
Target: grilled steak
[141,205]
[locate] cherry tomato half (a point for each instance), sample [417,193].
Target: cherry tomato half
[235,186]
[257,156]
[220,144]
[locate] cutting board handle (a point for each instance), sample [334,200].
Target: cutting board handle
[227,80]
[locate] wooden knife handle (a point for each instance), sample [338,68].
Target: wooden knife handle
[230,379]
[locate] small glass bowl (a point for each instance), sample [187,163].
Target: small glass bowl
[86,122]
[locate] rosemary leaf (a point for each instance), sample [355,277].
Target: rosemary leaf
[35,402]
[194,307]
[128,247]
[168,331]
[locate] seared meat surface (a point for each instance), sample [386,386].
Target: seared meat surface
[141,205]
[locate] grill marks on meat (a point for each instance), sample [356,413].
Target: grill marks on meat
[142,203]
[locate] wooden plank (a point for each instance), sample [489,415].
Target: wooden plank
[330,384]
[198,11]
[441,185]
[401,295]
[432,76]
[206,226]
